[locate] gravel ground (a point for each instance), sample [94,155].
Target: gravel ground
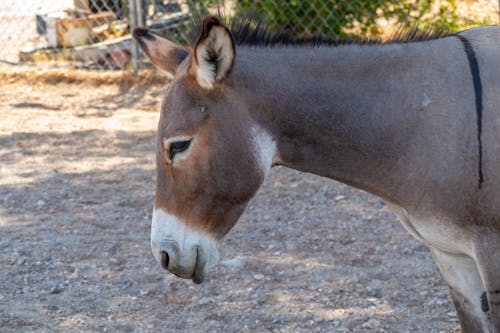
[76,190]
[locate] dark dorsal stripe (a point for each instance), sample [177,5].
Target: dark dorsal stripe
[478,90]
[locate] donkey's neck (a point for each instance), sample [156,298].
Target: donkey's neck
[345,112]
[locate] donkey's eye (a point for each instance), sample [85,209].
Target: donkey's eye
[177,147]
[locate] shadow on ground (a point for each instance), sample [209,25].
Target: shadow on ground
[308,255]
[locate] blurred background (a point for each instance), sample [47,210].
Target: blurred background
[95,34]
[77,181]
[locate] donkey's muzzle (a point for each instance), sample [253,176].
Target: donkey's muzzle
[191,265]
[180,249]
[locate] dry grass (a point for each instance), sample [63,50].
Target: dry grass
[31,75]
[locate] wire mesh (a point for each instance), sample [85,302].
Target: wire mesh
[95,34]
[361,18]
[80,33]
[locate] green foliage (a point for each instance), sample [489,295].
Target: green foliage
[342,18]
[201,5]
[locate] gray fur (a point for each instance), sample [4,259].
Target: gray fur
[398,121]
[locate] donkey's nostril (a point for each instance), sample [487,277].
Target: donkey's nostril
[168,256]
[164,259]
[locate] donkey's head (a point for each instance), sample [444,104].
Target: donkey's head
[211,155]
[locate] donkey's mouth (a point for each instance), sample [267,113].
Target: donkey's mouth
[199,267]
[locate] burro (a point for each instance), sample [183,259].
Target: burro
[414,121]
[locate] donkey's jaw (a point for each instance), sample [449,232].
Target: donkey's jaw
[181,249]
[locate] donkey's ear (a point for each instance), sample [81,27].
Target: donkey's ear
[163,53]
[213,54]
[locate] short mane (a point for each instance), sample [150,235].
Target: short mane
[252,32]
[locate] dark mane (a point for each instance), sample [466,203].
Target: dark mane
[248,31]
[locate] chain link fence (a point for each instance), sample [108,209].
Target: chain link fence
[95,34]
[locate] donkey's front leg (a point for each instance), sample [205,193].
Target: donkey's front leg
[462,275]
[487,250]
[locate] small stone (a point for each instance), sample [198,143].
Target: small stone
[40,203]
[21,261]
[339,197]
[371,323]
[234,262]
[56,290]
[181,326]
[51,266]
[451,314]
[258,276]
[125,327]
[336,322]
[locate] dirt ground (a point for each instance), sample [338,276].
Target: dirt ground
[76,189]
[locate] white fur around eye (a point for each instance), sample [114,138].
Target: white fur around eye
[180,156]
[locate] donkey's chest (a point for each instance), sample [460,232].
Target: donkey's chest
[440,233]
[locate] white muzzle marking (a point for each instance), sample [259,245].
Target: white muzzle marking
[167,229]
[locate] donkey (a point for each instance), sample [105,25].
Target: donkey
[415,122]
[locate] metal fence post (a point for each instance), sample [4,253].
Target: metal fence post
[139,12]
[133,44]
